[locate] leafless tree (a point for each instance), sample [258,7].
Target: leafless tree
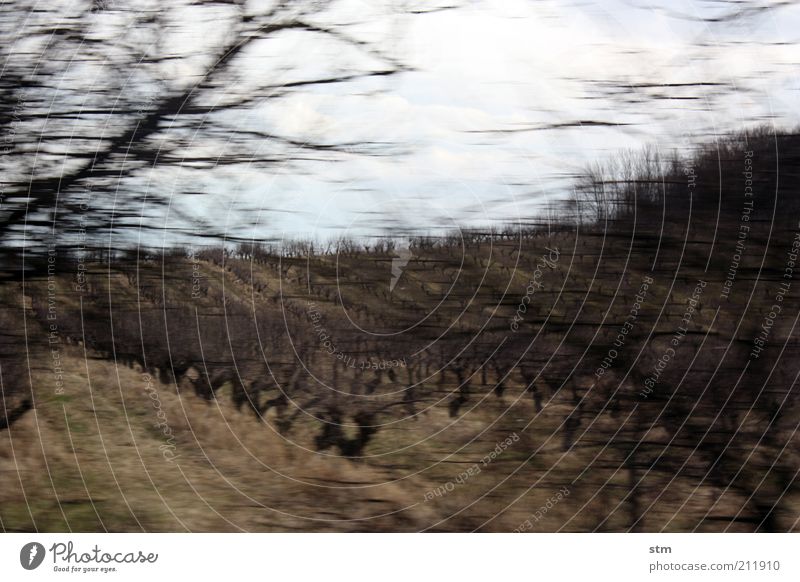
[111,110]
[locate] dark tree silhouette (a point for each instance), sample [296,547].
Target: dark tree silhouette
[103,103]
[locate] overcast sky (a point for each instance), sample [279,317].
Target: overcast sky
[505,102]
[488,118]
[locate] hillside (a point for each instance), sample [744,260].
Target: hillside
[630,370]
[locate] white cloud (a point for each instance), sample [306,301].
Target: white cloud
[512,65]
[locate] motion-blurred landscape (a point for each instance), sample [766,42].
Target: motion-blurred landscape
[621,356]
